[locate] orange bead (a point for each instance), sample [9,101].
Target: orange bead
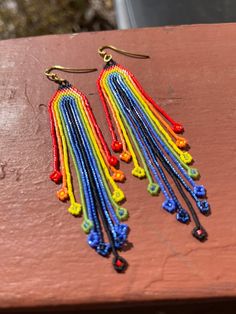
[63,194]
[125,156]
[118,176]
[181,142]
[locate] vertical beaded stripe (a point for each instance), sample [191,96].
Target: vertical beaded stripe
[75,132]
[149,136]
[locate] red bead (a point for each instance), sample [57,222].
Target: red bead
[113,161]
[178,128]
[56,176]
[199,232]
[116,146]
[119,263]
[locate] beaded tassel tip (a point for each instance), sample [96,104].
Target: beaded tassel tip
[149,136]
[76,135]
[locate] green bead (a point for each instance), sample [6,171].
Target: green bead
[153,188]
[87,225]
[122,213]
[193,173]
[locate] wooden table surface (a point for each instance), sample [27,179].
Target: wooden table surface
[45,259]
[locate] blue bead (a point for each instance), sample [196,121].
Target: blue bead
[119,241]
[169,205]
[103,249]
[93,239]
[121,231]
[121,228]
[204,207]
[182,216]
[199,191]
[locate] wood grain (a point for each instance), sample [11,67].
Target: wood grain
[45,260]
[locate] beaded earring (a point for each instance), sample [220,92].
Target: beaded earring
[76,135]
[149,136]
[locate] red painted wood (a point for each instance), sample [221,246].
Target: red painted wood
[44,256]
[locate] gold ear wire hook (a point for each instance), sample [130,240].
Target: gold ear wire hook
[55,78]
[107,57]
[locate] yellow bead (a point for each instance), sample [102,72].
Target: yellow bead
[118,195]
[138,172]
[186,157]
[75,209]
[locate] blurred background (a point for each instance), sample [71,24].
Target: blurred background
[22,18]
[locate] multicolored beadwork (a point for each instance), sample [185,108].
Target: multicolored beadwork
[146,137]
[75,134]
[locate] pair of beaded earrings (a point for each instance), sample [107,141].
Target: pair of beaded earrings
[141,131]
